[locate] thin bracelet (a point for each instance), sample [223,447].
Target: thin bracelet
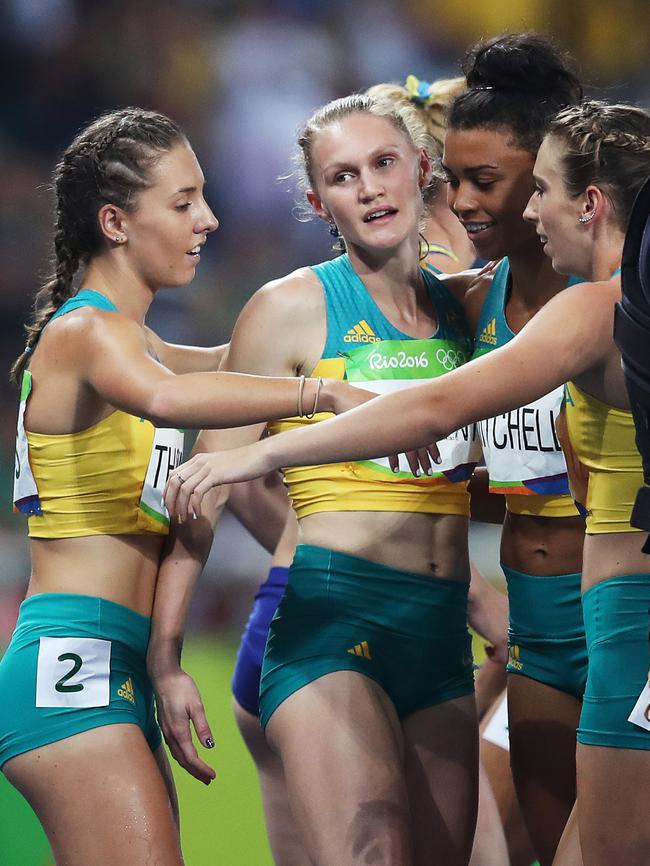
[301,388]
[319,385]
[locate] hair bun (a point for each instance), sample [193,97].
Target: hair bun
[527,62]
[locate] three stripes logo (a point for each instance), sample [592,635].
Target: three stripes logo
[489,333]
[126,691]
[361,333]
[514,657]
[361,649]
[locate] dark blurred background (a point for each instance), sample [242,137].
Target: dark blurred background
[240,77]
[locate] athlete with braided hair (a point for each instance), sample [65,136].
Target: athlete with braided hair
[101,401]
[591,164]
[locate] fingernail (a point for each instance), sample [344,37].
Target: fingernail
[395,469]
[429,471]
[194,516]
[416,472]
[209,743]
[180,519]
[437,460]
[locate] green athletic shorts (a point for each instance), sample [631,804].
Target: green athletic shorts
[75,662]
[616,621]
[339,612]
[546,636]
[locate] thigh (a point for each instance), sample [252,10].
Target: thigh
[495,760]
[613,805]
[341,747]
[490,847]
[542,727]
[101,798]
[441,759]
[286,845]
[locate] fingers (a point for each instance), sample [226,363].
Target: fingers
[419,461]
[181,497]
[178,736]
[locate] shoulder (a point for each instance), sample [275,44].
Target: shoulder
[478,287]
[88,329]
[280,325]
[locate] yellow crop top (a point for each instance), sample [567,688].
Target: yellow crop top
[603,461]
[105,480]
[359,487]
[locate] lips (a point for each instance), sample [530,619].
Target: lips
[475,228]
[378,213]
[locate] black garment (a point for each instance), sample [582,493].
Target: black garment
[632,336]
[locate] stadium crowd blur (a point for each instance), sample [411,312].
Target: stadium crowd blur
[240,76]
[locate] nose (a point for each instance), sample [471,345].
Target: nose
[460,200]
[531,211]
[369,186]
[207,221]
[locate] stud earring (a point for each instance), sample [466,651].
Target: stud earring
[587,218]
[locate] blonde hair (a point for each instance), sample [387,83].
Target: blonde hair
[403,117]
[431,102]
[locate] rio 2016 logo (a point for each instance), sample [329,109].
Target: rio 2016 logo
[399,361]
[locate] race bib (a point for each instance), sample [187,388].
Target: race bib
[393,365]
[522,450]
[26,499]
[496,730]
[640,714]
[166,455]
[73,672]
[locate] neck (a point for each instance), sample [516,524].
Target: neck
[533,280]
[392,276]
[109,276]
[607,254]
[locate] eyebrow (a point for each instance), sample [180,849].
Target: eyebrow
[378,151]
[470,168]
[185,189]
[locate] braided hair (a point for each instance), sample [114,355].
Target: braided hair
[109,161]
[605,145]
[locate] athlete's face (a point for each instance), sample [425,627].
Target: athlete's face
[170,223]
[368,178]
[555,214]
[489,180]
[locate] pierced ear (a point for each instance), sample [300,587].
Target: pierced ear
[594,204]
[317,206]
[112,223]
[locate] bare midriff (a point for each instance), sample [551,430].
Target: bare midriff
[120,568]
[429,544]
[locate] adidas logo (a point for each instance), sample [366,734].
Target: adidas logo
[126,691]
[514,657]
[361,649]
[361,333]
[489,333]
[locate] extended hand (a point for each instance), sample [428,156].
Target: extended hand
[191,481]
[178,707]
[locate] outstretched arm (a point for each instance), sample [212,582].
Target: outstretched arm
[570,335]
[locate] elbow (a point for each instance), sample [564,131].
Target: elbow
[163,408]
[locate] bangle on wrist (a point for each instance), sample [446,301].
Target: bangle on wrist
[301,391]
[319,385]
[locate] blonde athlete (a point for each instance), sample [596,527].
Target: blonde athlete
[366,683]
[591,164]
